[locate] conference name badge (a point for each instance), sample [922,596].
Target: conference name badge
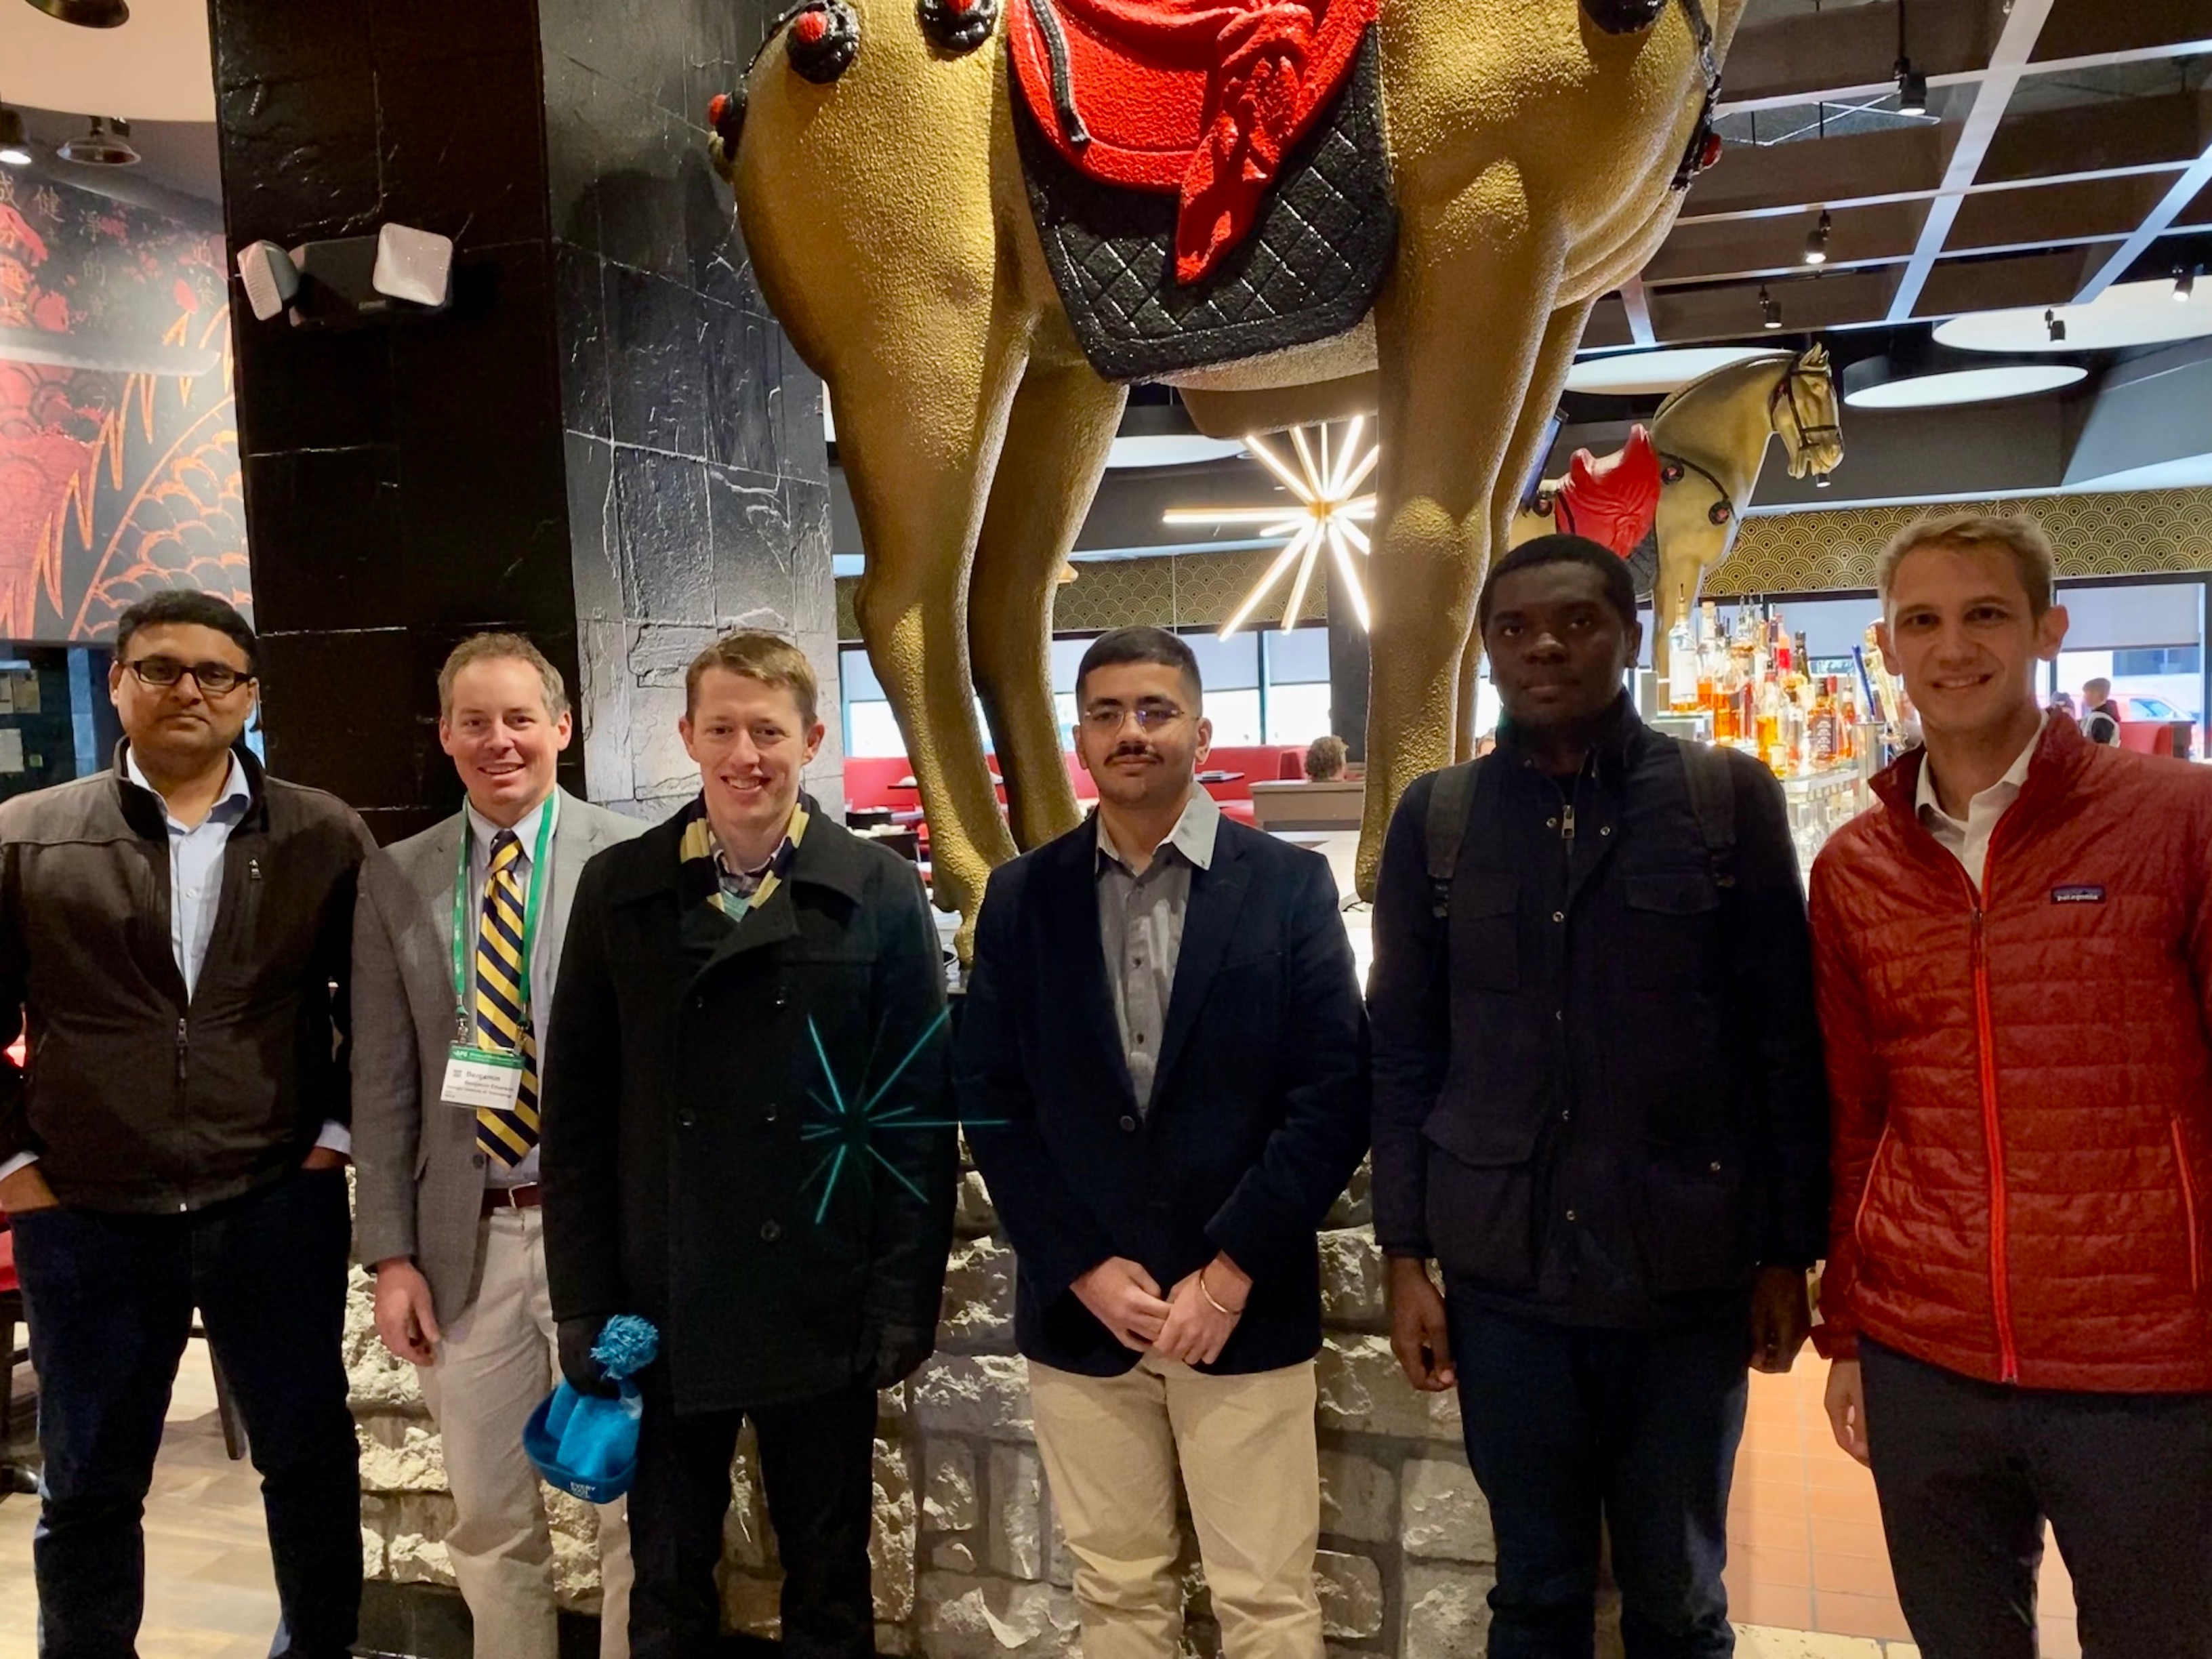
[476,1077]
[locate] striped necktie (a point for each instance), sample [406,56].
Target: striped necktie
[502,1022]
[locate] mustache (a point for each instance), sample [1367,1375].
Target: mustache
[1133,751]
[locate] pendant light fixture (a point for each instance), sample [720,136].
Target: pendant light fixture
[1770,309]
[107,144]
[1912,85]
[15,144]
[2184,283]
[86,14]
[1816,241]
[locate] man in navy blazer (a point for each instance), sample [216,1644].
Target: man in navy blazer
[1162,1067]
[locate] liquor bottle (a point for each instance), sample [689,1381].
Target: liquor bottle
[1767,730]
[1682,662]
[1822,746]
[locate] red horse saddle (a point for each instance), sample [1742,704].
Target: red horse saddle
[1614,500]
[1201,99]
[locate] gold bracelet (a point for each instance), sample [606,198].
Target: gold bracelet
[1233,1313]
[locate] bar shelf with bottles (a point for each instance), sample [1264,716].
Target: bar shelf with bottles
[1749,685]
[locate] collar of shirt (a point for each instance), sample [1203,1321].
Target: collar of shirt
[1998,796]
[1193,836]
[482,831]
[229,806]
[743,883]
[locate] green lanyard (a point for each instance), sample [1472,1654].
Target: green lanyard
[462,1026]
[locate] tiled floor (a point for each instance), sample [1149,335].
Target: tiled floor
[1805,1540]
[209,1591]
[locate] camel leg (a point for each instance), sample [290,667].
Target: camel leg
[1562,334]
[1455,377]
[919,425]
[1063,423]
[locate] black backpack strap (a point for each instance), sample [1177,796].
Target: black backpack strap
[1452,801]
[1712,801]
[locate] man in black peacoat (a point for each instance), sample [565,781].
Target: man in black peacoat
[747,1142]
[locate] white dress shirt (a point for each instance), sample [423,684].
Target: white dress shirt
[1969,842]
[482,831]
[195,852]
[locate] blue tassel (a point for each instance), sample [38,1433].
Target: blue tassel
[627,1346]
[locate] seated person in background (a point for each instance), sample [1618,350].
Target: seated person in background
[2063,704]
[1325,758]
[2100,715]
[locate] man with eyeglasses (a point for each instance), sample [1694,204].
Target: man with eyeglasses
[1162,1071]
[174,936]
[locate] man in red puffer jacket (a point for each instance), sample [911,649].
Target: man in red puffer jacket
[2015,1300]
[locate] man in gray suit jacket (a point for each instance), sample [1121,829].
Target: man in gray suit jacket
[450,987]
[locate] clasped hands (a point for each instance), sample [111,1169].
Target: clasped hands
[1191,1322]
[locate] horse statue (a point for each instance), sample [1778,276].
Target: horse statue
[1679,515]
[979,225]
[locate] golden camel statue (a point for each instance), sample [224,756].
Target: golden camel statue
[1711,435]
[882,205]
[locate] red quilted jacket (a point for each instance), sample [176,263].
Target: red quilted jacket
[2021,1092]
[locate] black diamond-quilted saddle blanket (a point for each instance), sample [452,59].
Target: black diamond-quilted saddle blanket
[1308,270]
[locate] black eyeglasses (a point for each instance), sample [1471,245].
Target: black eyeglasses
[215,679]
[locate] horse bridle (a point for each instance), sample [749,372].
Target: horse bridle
[1674,468]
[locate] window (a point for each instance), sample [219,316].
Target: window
[1298,704]
[2159,659]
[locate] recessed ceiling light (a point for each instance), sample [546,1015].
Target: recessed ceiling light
[2124,314]
[1645,373]
[1878,389]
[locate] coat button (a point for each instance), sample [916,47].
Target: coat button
[476,1158]
[771,1231]
[1128,1126]
[1571,1215]
[782,999]
[1714,1168]
[686,1119]
[1558,915]
[769,1112]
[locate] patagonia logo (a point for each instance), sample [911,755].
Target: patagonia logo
[2077,895]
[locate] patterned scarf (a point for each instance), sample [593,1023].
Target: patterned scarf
[707,878]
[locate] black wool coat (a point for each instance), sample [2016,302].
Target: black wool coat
[746,1134]
[1259,1110]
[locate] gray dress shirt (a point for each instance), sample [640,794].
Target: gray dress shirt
[1140,927]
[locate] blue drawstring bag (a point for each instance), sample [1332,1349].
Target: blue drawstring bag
[586,1444]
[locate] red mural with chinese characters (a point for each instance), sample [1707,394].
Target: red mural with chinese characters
[119,438]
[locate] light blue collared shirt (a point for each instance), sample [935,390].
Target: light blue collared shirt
[481,832]
[196,867]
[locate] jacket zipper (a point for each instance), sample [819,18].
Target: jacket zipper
[2188,1208]
[1993,1139]
[1858,1219]
[180,1048]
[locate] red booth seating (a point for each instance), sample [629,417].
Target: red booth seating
[2148,737]
[871,781]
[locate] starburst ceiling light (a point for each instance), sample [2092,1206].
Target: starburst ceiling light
[1329,512]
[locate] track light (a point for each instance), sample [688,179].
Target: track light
[15,147]
[2057,326]
[1770,309]
[1912,85]
[107,144]
[1912,89]
[1816,241]
[1821,481]
[2184,283]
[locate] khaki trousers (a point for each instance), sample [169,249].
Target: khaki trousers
[1111,1446]
[497,1361]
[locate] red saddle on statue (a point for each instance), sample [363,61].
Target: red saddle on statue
[1613,501]
[1198,98]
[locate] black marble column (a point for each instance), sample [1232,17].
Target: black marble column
[604,443]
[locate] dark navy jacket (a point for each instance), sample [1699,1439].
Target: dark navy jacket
[1598,1088]
[1258,1113]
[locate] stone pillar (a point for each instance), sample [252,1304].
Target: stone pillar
[604,443]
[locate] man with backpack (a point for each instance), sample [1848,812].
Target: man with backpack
[1599,1108]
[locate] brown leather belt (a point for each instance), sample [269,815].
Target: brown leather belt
[496,1199]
